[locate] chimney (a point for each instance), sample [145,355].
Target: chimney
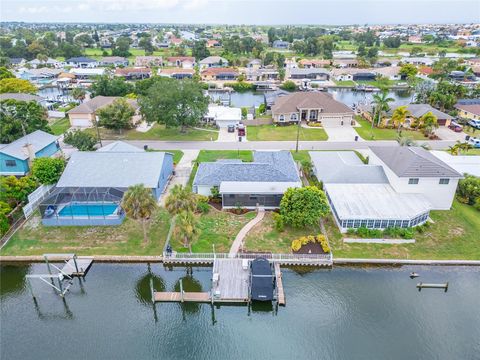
[28,150]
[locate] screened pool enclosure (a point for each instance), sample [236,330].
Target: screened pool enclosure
[82,206]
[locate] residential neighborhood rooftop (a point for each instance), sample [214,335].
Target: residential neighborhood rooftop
[309,100]
[38,139]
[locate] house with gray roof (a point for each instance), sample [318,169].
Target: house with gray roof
[213,61]
[415,170]
[360,195]
[310,74]
[418,110]
[23,97]
[261,182]
[16,157]
[92,186]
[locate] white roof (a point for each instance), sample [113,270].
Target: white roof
[375,201]
[220,113]
[469,164]
[112,169]
[251,187]
[79,71]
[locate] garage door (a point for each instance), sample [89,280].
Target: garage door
[81,122]
[225,123]
[442,122]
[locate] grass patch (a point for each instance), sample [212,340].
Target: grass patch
[265,238]
[367,133]
[301,155]
[158,132]
[216,227]
[214,155]
[284,133]
[453,236]
[126,239]
[60,126]
[345,83]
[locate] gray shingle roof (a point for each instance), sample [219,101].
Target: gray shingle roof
[38,139]
[345,167]
[90,106]
[112,169]
[20,97]
[418,110]
[312,100]
[407,161]
[268,166]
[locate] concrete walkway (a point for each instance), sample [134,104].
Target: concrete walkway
[237,243]
[182,172]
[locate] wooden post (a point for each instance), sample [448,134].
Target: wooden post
[152,291]
[30,288]
[48,265]
[75,262]
[181,290]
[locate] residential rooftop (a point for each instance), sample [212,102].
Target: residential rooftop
[38,139]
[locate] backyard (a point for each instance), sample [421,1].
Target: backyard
[284,133]
[60,126]
[366,132]
[158,132]
[217,228]
[126,239]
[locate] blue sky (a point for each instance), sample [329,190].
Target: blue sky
[328,12]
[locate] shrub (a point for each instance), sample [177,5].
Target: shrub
[288,86]
[48,170]
[203,207]
[279,223]
[240,86]
[82,140]
[4,224]
[296,244]
[323,242]
[303,206]
[314,124]
[215,192]
[477,203]
[469,189]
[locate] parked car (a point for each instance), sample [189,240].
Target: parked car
[231,128]
[475,142]
[455,127]
[474,123]
[241,130]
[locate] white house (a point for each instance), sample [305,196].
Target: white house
[415,170]
[223,116]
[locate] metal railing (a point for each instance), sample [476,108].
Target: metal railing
[281,258]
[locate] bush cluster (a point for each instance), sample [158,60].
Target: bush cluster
[314,124]
[279,222]
[395,232]
[304,240]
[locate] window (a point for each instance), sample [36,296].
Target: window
[281,118]
[293,117]
[444,181]
[10,163]
[253,197]
[413,181]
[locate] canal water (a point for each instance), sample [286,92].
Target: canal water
[347,96]
[344,313]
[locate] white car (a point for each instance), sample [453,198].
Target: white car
[474,123]
[475,142]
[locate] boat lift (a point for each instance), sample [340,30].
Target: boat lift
[74,267]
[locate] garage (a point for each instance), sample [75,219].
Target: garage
[80,120]
[223,116]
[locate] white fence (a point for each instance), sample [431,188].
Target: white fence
[35,198]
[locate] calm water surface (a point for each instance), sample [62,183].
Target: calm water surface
[346,313]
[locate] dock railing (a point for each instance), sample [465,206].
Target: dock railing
[284,259]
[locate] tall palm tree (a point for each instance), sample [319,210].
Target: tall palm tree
[187,228]
[399,116]
[180,199]
[380,101]
[430,123]
[139,204]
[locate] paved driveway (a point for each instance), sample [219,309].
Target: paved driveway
[225,136]
[341,133]
[445,133]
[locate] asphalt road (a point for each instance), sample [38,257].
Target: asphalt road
[274,145]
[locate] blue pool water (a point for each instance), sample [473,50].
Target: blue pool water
[88,210]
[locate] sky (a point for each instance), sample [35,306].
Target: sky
[261,12]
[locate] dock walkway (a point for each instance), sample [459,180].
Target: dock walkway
[230,280]
[280,291]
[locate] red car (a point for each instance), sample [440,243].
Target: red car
[455,127]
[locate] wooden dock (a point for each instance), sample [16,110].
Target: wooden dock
[77,266]
[280,291]
[198,297]
[231,281]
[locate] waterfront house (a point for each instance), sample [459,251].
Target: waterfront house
[87,75]
[148,61]
[17,62]
[81,62]
[92,186]
[311,106]
[39,76]
[418,110]
[85,114]
[133,73]
[177,73]
[16,157]
[307,64]
[213,61]
[415,170]
[185,62]
[345,63]
[113,61]
[468,108]
[254,64]
[223,116]
[249,184]
[35,63]
[271,96]
[309,73]
[219,74]
[23,97]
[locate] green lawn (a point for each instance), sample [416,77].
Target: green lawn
[366,131]
[177,154]
[158,132]
[98,53]
[284,133]
[60,126]
[345,83]
[216,227]
[125,239]
[265,238]
[214,155]
[455,235]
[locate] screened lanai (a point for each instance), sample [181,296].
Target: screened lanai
[83,206]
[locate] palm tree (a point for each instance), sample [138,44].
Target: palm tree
[187,228]
[139,204]
[430,123]
[381,101]
[465,147]
[454,149]
[399,116]
[180,199]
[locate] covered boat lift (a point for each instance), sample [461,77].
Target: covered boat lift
[262,280]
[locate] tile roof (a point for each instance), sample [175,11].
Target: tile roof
[313,100]
[213,60]
[418,110]
[267,166]
[470,105]
[80,59]
[412,161]
[38,139]
[218,71]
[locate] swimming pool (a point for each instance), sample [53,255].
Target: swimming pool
[88,209]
